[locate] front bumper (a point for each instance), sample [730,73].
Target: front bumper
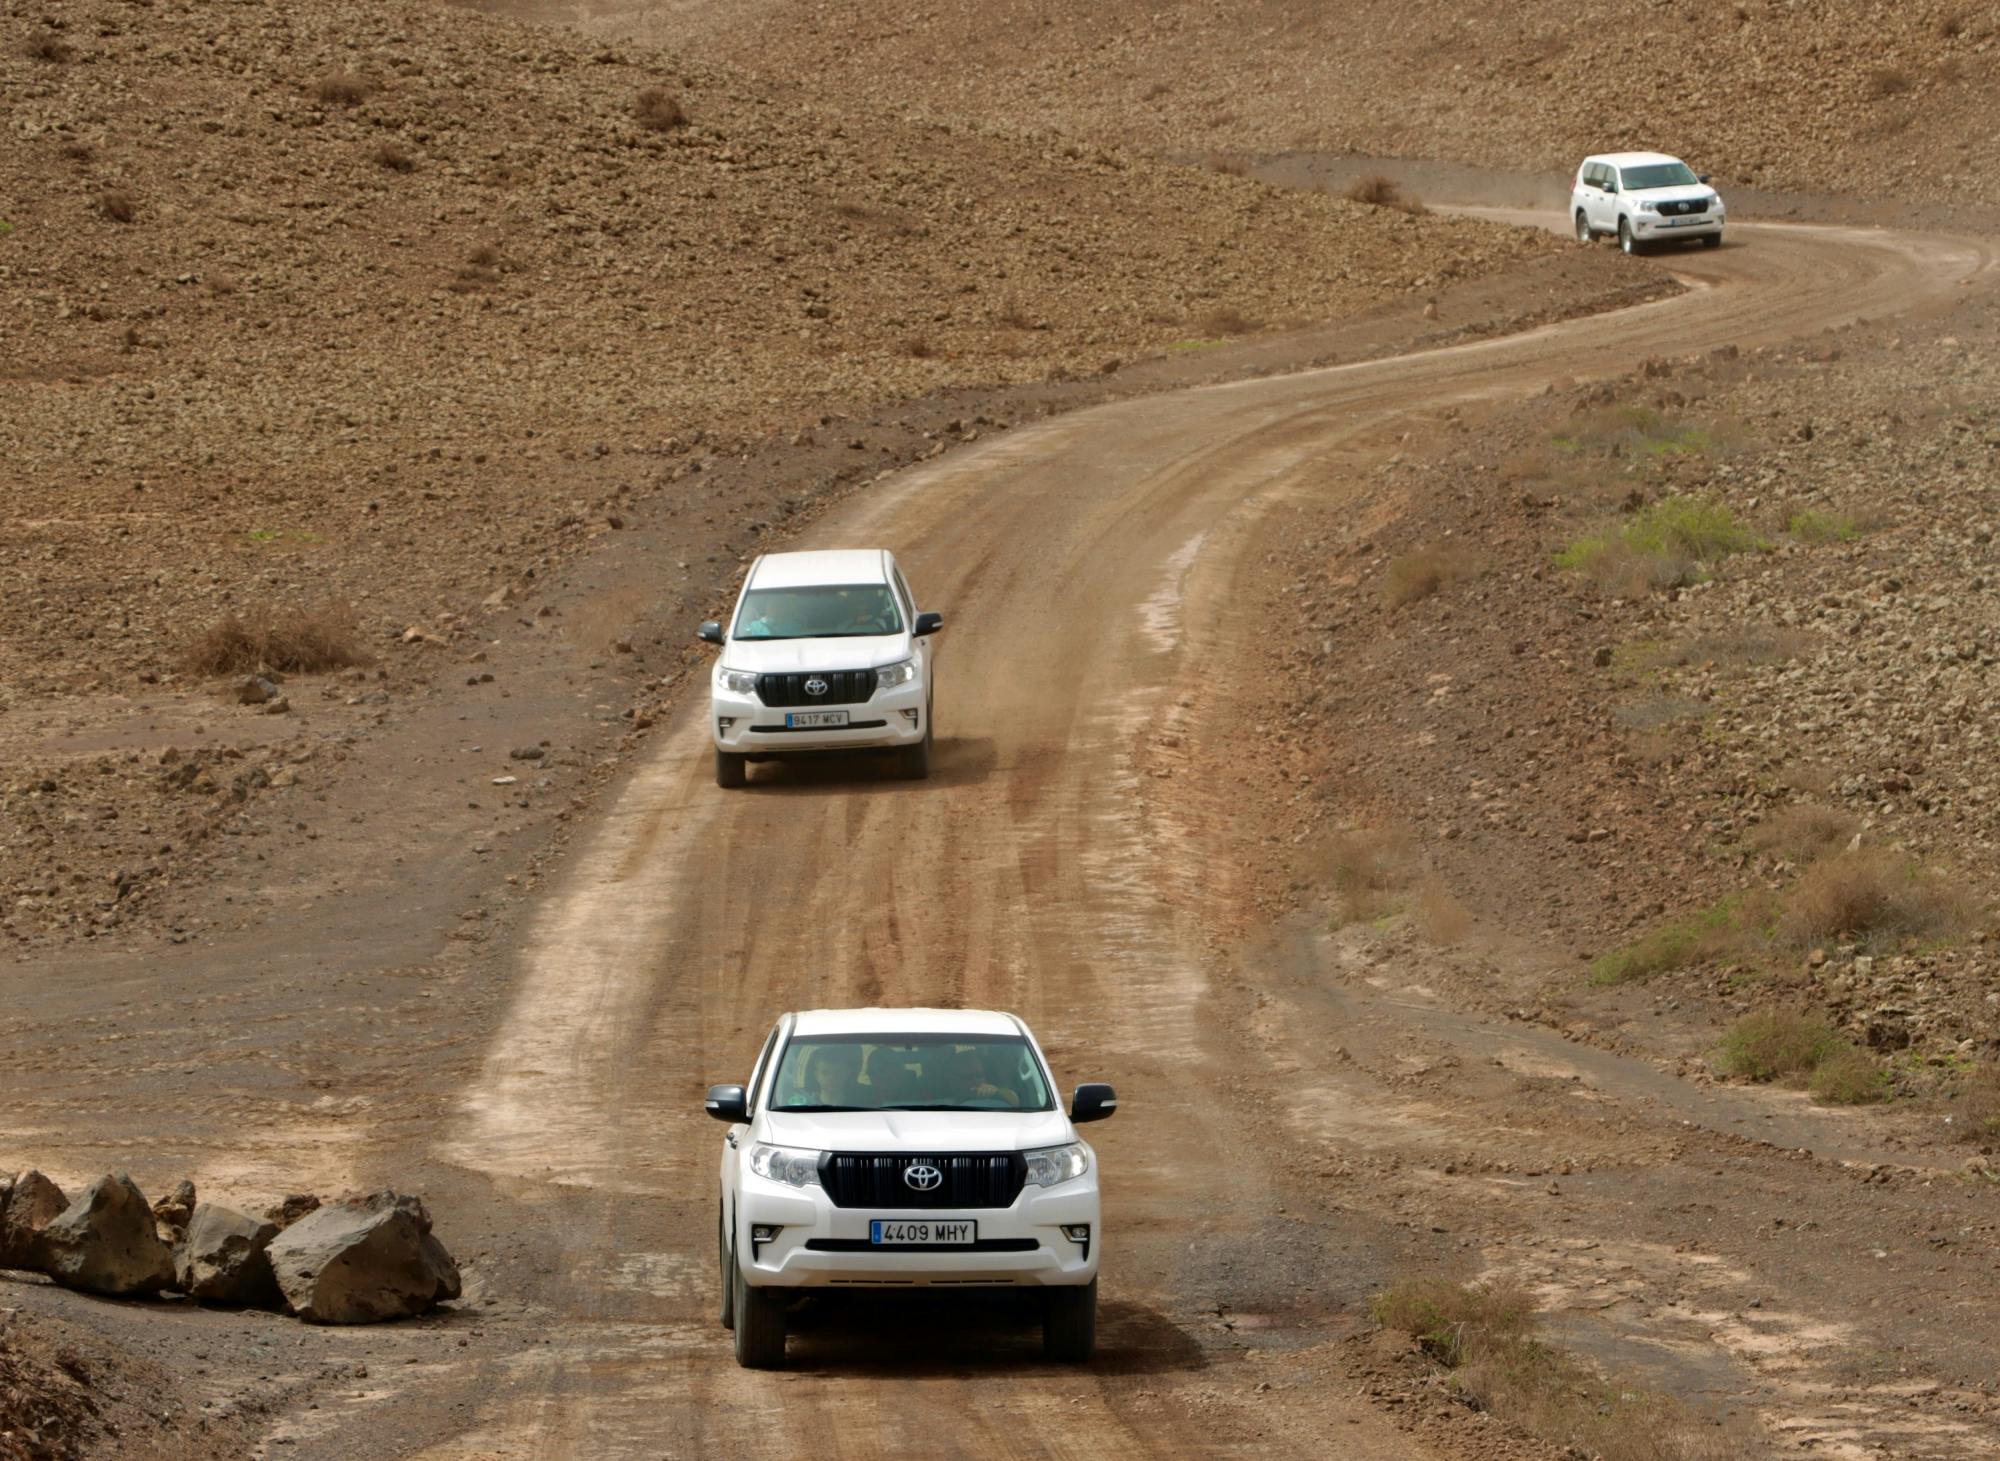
[887,719]
[1691,225]
[1038,1252]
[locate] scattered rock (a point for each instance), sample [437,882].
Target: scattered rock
[105,1242]
[224,1260]
[173,1211]
[294,1207]
[31,1203]
[256,690]
[363,1260]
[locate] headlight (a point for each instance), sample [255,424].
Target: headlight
[901,673]
[1715,203]
[1056,1164]
[737,682]
[1648,207]
[786,1164]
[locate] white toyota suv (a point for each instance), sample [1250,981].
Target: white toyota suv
[1644,197]
[826,651]
[904,1148]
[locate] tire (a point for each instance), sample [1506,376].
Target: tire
[1585,234]
[913,763]
[1627,240]
[760,1323]
[727,1270]
[1069,1324]
[1711,240]
[730,770]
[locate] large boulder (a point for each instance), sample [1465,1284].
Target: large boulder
[30,1204]
[106,1242]
[362,1260]
[223,1259]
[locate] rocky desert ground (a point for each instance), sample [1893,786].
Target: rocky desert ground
[1543,850]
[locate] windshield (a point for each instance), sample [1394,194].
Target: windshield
[834,611]
[892,1073]
[1659,175]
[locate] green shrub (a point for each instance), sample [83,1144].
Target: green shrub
[1688,940]
[1801,1048]
[1823,527]
[1663,545]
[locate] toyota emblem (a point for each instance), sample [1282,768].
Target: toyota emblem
[922,1176]
[815,686]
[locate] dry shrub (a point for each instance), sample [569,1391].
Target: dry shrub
[1975,1108]
[484,256]
[1888,81]
[1801,1048]
[389,156]
[1229,166]
[1441,918]
[1950,26]
[658,110]
[1014,315]
[117,205]
[290,641]
[1367,867]
[77,152]
[1227,320]
[1419,574]
[919,347]
[1872,896]
[1848,1077]
[1483,1336]
[341,89]
[606,620]
[1804,831]
[1378,190]
[46,47]
[1738,648]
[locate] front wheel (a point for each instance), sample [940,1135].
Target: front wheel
[1627,240]
[760,1323]
[1711,240]
[728,1271]
[913,763]
[1069,1323]
[731,770]
[1585,234]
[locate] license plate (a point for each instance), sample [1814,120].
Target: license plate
[892,1232]
[807,719]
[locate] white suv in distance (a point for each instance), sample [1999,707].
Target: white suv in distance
[906,1148]
[826,651]
[1644,197]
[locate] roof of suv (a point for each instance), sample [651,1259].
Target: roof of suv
[1630,159]
[905,1022]
[827,566]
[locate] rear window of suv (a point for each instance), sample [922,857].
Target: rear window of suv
[891,1073]
[832,611]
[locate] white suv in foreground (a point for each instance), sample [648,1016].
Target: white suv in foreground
[1644,197]
[899,1149]
[826,652]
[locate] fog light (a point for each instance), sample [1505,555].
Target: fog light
[763,1232]
[910,716]
[1077,1232]
[723,723]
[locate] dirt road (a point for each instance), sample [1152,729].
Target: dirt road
[1064,863]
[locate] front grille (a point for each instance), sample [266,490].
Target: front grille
[981,1179]
[841,687]
[1694,205]
[977,1245]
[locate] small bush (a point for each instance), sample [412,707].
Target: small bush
[1228,166]
[1441,918]
[1228,320]
[658,110]
[1804,831]
[1417,575]
[1454,1322]
[77,152]
[1975,1107]
[1869,895]
[292,641]
[1380,191]
[1367,868]
[1823,527]
[1663,545]
[1887,81]
[1801,1048]
[341,89]
[1848,1077]
[46,47]
[919,347]
[484,256]
[389,156]
[117,205]
[1678,944]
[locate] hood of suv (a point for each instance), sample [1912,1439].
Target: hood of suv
[918,1131]
[1678,193]
[781,656]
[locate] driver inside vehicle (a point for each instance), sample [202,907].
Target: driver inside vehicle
[964,1081]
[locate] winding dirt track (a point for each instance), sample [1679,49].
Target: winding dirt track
[1087,569]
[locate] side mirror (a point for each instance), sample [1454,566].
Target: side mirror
[726,1103]
[710,632]
[1094,1101]
[928,624]
[1611,185]
[1701,177]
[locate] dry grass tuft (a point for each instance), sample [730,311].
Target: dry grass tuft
[46,47]
[658,110]
[484,256]
[290,641]
[1014,315]
[1679,943]
[1417,575]
[117,205]
[1950,26]
[1367,868]
[76,151]
[341,89]
[1483,1335]
[1228,320]
[389,156]
[1804,831]
[1872,896]
[1441,918]
[919,347]
[1223,163]
[1801,1048]
[1380,191]
[1975,1107]
[1887,81]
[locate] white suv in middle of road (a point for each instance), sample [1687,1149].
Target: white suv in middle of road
[1644,197]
